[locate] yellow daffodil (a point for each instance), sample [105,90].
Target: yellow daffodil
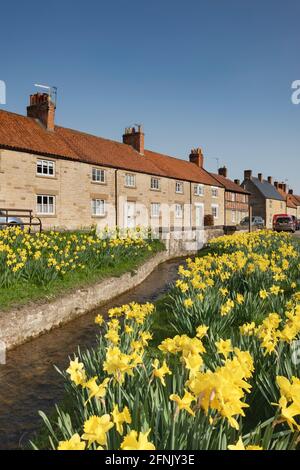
[75,443]
[133,441]
[95,429]
[160,372]
[184,403]
[120,417]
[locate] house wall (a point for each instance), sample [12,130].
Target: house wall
[74,191]
[236,207]
[273,207]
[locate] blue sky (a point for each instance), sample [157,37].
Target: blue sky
[209,73]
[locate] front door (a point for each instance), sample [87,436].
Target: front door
[199,216]
[129,214]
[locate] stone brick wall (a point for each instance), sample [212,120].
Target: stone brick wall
[74,190]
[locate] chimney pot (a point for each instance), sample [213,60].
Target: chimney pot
[238,182]
[291,191]
[260,177]
[196,156]
[276,184]
[223,171]
[42,108]
[248,174]
[135,138]
[270,179]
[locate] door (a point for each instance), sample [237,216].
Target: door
[129,214]
[199,215]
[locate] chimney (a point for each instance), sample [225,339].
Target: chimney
[196,156]
[42,108]
[270,179]
[223,171]
[276,184]
[280,186]
[135,138]
[291,191]
[284,187]
[238,182]
[248,174]
[260,177]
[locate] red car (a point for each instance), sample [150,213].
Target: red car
[284,223]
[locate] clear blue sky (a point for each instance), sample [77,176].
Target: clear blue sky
[209,73]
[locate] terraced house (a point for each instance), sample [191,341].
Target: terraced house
[292,201]
[236,198]
[71,179]
[265,200]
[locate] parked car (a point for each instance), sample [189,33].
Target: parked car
[256,221]
[11,220]
[285,223]
[298,224]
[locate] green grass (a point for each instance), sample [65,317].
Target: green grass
[24,293]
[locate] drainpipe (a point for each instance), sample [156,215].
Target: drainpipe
[116,197]
[191,212]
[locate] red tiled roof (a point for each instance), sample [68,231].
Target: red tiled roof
[289,202]
[228,184]
[28,135]
[295,199]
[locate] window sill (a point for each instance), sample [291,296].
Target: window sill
[102,183]
[48,216]
[102,216]
[155,189]
[129,187]
[49,177]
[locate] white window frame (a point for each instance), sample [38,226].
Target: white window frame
[98,175]
[98,207]
[46,165]
[45,207]
[214,191]
[178,211]
[130,180]
[198,190]
[179,187]
[155,183]
[216,207]
[155,209]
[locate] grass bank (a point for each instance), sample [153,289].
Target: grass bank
[38,268]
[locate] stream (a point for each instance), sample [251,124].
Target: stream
[28,380]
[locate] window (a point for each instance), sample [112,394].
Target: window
[98,175]
[215,210]
[155,209]
[130,180]
[214,191]
[45,204]
[98,207]
[179,187]
[233,197]
[155,184]
[198,190]
[270,203]
[178,211]
[45,168]
[233,216]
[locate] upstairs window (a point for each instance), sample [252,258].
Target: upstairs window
[214,191]
[198,190]
[233,197]
[45,167]
[130,180]
[179,187]
[155,184]
[98,175]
